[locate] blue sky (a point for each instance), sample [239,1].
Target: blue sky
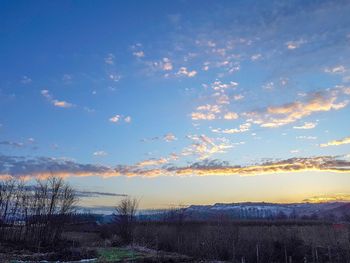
[178,101]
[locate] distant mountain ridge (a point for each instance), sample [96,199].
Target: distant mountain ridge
[261,210]
[337,211]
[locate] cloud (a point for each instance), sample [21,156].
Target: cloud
[255,57]
[345,140]
[100,153]
[127,119]
[117,118]
[109,59]
[307,137]
[337,197]
[43,167]
[84,193]
[152,162]
[19,166]
[206,66]
[242,128]
[238,97]
[114,77]
[62,104]
[67,78]
[162,65]
[294,151]
[26,80]
[269,86]
[294,44]
[231,116]
[183,71]
[57,103]
[223,99]
[137,50]
[169,137]
[204,147]
[222,87]
[202,116]
[206,112]
[336,70]
[306,126]
[12,144]
[139,54]
[167,65]
[276,116]
[322,163]
[210,108]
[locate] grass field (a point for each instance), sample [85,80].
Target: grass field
[118,254]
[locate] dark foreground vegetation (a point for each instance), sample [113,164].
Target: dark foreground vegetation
[39,222]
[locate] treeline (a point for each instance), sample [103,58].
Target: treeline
[35,215]
[247,243]
[255,241]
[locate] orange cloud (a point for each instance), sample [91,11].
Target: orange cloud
[345,140]
[45,167]
[276,116]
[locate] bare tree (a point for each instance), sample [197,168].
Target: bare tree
[124,218]
[36,213]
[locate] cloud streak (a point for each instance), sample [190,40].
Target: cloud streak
[57,103]
[345,140]
[276,116]
[43,167]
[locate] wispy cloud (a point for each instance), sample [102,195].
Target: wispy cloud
[12,144]
[57,103]
[137,50]
[117,118]
[26,80]
[204,147]
[231,116]
[109,59]
[242,128]
[85,193]
[222,87]
[44,167]
[114,77]
[295,44]
[206,112]
[276,116]
[183,71]
[306,126]
[139,54]
[336,69]
[152,162]
[323,163]
[127,119]
[256,57]
[303,137]
[345,140]
[100,153]
[169,137]
[338,197]
[202,116]
[167,65]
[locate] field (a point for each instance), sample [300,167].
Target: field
[241,241]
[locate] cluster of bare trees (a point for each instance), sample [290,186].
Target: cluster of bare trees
[35,214]
[125,218]
[239,242]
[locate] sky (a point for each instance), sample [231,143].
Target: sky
[178,102]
